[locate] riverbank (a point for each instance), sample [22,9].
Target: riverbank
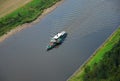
[97,55]
[8,6]
[18,27]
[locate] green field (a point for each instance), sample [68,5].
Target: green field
[24,14]
[97,56]
[8,6]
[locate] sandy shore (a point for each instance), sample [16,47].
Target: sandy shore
[26,25]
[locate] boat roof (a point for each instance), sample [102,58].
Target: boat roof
[59,34]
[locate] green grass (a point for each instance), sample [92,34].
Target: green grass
[8,6]
[25,14]
[105,47]
[98,55]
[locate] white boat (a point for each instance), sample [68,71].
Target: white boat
[57,39]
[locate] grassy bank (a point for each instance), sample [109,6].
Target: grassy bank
[97,56]
[107,69]
[8,6]
[25,14]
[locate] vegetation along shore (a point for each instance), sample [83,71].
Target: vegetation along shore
[8,6]
[104,64]
[26,16]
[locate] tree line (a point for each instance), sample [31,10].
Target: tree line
[108,69]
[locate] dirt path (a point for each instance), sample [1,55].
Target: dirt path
[7,6]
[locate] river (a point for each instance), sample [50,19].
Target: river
[23,56]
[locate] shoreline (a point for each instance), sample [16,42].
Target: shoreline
[80,70]
[26,25]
